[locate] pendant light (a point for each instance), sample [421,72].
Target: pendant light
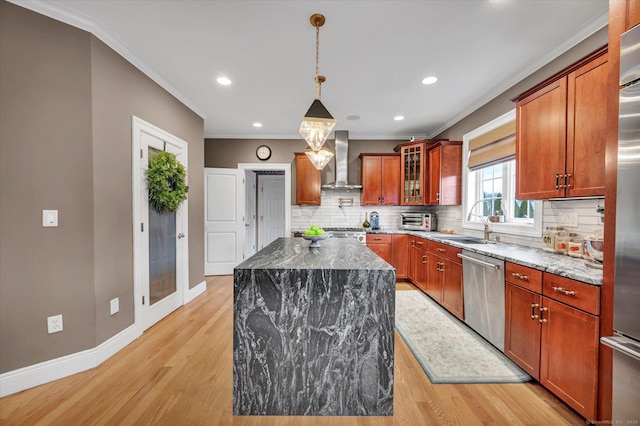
[317,123]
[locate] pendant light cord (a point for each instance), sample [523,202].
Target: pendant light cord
[318,84]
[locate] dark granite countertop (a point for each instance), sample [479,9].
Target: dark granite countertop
[334,253]
[558,264]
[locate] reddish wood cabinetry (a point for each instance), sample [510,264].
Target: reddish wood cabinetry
[550,335]
[564,123]
[381,245]
[399,255]
[412,182]
[444,277]
[380,179]
[445,173]
[418,262]
[307,181]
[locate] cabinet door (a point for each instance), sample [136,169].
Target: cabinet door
[434,277]
[411,272]
[307,181]
[541,142]
[450,174]
[421,269]
[412,182]
[371,173]
[522,333]
[400,255]
[587,129]
[382,250]
[434,175]
[452,288]
[569,356]
[390,180]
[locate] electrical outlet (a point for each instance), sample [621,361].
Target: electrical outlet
[568,219]
[54,324]
[115,305]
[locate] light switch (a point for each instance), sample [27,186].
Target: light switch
[50,218]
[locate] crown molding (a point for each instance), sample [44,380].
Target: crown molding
[75,20]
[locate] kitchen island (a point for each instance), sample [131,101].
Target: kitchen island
[313,331]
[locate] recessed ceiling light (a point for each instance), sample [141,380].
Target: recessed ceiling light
[429,80]
[399,117]
[353,117]
[256,124]
[224,81]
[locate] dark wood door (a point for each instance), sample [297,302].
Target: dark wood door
[541,142]
[390,180]
[522,328]
[400,255]
[452,288]
[307,181]
[434,277]
[569,355]
[587,129]
[435,155]
[371,182]
[450,174]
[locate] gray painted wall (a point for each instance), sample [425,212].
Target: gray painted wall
[65,144]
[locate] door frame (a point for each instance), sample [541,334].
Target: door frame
[139,249]
[286,168]
[261,210]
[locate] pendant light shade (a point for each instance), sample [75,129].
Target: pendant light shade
[319,158]
[316,125]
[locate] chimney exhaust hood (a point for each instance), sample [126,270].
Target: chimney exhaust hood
[342,163]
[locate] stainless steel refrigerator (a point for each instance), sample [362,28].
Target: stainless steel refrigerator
[626,311]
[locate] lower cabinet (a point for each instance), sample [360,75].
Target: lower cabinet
[418,262]
[399,258]
[444,277]
[381,245]
[553,334]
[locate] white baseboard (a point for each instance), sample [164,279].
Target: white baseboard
[48,371]
[54,369]
[196,291]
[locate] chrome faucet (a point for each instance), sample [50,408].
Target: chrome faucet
[485,222]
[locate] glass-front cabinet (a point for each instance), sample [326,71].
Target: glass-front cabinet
[413,174]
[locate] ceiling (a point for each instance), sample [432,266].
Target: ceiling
[374,55]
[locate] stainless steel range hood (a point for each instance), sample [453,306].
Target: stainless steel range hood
[342,163]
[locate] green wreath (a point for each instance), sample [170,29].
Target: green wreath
[166,182]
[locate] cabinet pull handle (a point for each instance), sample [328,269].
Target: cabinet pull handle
[522,277]
[533,310]
[419,243]
[424,258]
[563,291]
[566,180]
[378,238]
[557,181]
[383,198]
[543,320]
[413,243]
[441,249]
[437,196]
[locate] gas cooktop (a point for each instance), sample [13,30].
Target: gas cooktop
[342,229]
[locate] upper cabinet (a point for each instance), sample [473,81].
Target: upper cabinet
[412,182]
[307,181]
[561,133]
[380,179]
[445,173]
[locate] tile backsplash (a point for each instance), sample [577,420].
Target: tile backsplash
[351,214]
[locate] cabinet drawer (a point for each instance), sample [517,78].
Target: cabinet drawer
[526,277]
[378,238]
[445,251]
[574,293]
[420,243]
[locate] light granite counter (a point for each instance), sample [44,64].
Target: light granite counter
[565,266]
[314,331]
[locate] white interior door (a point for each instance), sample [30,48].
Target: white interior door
[250,214]
[160,243]
[223,221]
[271,208]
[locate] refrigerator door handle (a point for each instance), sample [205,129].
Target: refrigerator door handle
[622,344]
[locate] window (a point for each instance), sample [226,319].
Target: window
[490,191]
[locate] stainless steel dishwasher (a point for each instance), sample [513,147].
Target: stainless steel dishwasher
[484,296]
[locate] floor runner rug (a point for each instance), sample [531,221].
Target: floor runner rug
[447,349]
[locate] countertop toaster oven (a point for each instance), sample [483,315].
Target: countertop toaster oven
[418,221]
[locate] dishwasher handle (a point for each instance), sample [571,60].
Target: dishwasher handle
[478,261]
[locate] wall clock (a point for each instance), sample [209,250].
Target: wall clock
[263,152]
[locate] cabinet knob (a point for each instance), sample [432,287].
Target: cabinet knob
[441,249]
[424,259]
[542,310]
[533,310]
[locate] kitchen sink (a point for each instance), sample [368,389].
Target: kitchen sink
[466,240]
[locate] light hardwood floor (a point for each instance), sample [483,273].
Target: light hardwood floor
[179,372]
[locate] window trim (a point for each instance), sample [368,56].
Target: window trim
[534,230]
